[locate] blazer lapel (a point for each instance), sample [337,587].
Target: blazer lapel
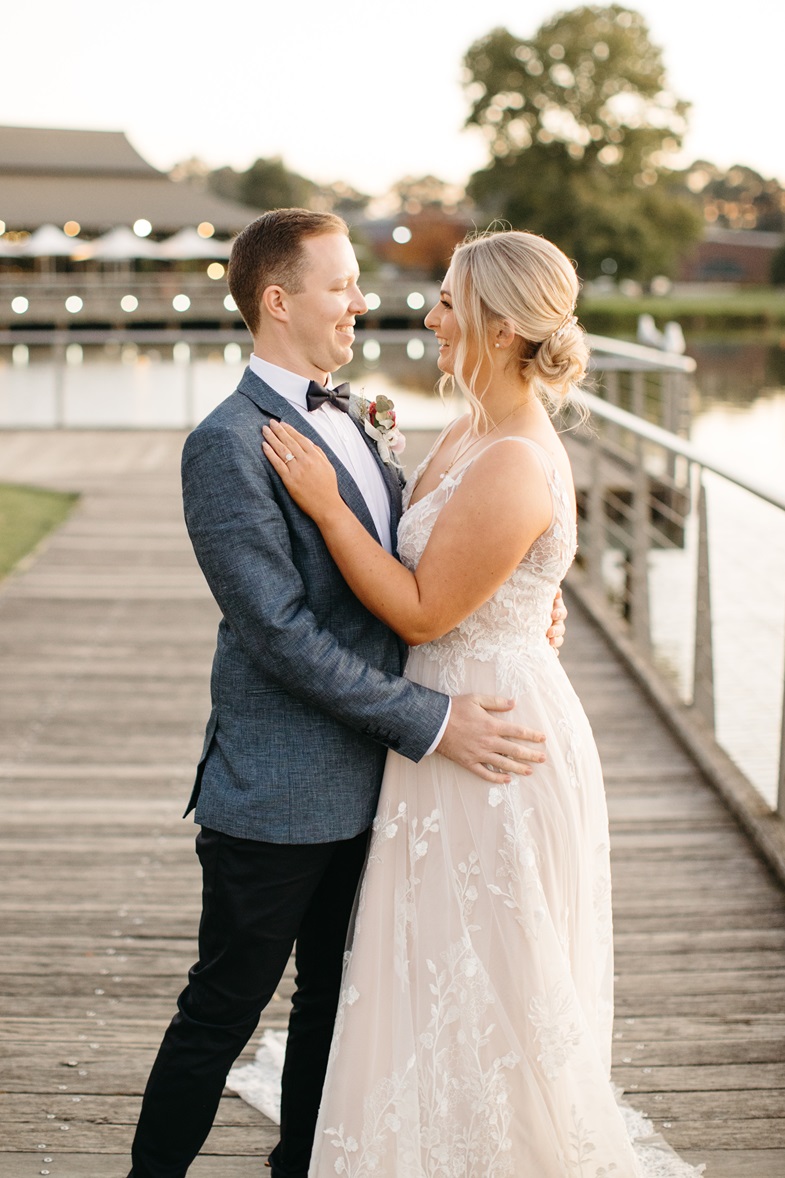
[276,406]
[393,481]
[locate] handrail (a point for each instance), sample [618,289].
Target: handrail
[677,445]
[632,509]
[651,357]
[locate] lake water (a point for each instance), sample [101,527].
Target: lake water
[738,418]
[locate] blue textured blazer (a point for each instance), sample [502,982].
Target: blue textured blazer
[306,684]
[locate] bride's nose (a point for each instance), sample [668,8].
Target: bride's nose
[432,319]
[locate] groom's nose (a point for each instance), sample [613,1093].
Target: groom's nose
[358,304]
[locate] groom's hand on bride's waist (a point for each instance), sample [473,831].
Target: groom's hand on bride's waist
[481,739]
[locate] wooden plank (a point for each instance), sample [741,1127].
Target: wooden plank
[106,642]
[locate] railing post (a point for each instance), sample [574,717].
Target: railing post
[781,786]
[639,394]
[703,664]
[639,573]
[595,509]
[190,391]
[58,358]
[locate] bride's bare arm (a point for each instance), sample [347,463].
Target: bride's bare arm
[500,508]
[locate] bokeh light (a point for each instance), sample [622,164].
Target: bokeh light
[74,354]
[20,355]
[19,305]
[181,352]
[372,350]
[216,270]
[415,349]
[205,229]
[142,227]
[233,353]
[416,300]
[71,228]
[73,304]
[373,301]
[129,302]
[181,302]
[229,303]
[2,228]
[401,234]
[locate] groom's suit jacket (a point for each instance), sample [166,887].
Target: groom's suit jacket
[306,684]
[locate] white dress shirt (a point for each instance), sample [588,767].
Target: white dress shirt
[341,436]
[344,440]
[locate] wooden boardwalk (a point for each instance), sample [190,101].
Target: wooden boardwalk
[106,638]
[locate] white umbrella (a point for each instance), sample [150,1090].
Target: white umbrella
[10,249]
[187,244]
[119,245]
[50,242]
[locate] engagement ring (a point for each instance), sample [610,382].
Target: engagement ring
[288,457]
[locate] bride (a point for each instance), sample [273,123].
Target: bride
[474,1029]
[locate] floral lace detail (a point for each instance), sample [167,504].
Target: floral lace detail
[557,1029]
[518,863]
[509,628]
[450,1105]
[473,1036]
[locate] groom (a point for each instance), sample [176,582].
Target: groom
[307,696]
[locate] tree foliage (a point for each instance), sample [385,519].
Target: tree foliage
[735,198]
[269,184]
[581,126]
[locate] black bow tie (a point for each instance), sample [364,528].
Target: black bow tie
[317,395]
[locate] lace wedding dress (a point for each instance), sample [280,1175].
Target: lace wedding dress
[474,1029]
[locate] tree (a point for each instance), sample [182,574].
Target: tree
[267,184]
[581,127]
[735,198]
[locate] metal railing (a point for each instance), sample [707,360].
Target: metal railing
[688,556]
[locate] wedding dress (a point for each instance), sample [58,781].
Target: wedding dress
[473,1035]
[474,1029]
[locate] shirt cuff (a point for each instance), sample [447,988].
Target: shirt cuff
[441,731]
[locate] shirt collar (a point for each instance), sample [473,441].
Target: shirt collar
[289,385]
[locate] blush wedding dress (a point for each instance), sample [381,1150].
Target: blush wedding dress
[473,1036]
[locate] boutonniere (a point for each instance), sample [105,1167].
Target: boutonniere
[379,422]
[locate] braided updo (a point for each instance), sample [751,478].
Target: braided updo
[528,282]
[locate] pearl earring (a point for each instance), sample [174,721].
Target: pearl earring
[496,345]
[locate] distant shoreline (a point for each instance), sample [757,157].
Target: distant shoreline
[756,309]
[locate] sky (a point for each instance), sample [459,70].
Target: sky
[365,92]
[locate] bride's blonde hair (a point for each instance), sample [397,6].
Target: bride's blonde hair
[522,279]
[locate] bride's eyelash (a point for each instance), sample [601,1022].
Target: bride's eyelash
[444,303]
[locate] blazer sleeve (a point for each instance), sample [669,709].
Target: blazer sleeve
[244,547]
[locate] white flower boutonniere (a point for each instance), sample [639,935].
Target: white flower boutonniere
[379,422]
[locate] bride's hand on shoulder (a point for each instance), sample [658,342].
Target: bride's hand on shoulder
[305,470]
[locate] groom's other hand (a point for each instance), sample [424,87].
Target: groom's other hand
[557,629]
[483,742]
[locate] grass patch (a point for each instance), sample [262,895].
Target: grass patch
[27,514]
[757,308]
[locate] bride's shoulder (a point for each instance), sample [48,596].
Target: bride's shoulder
[510,475]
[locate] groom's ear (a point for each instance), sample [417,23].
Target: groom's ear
[275,303]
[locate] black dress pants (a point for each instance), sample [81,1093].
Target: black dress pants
[258,899]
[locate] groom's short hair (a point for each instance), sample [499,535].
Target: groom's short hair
[269,252]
